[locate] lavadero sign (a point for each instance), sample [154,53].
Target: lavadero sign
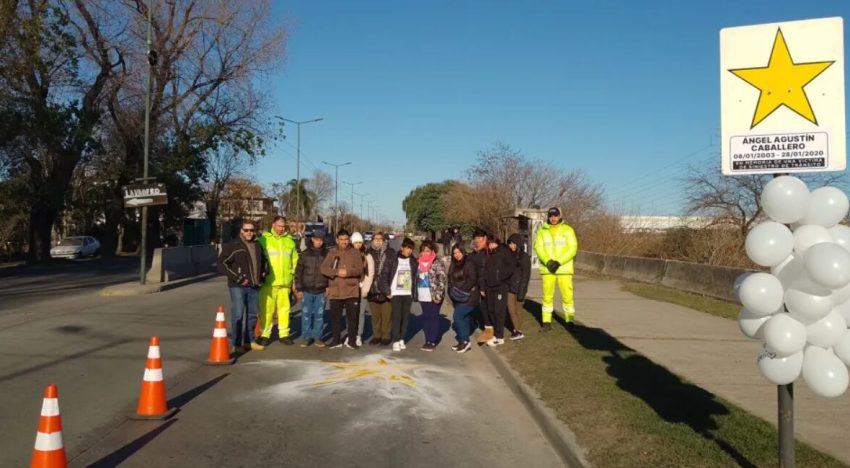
[139,195]
[782,97]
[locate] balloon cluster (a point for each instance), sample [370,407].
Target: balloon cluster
[801,309]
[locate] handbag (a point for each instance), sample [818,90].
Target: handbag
[458,295]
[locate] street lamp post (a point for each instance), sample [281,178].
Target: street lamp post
[299,213]
[143,248]
[336,190]
[352,184]
[362,219]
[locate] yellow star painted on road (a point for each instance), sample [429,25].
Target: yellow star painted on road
[381,369]
[781,82]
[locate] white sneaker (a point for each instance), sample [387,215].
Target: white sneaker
[396,346]
[359,341]
[492,342]
[401,344]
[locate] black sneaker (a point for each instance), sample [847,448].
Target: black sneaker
[385,342]
[307,343]
[350,345]
[428,347]
[335,344]
[375,341]
[571,326]
[457,346]
[546,327]
[516,335]
[464,347]
[263,341]
[287,341]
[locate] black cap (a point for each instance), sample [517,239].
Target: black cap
[554,211]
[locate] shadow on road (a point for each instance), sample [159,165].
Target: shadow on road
[673,400]
[119,456]
[184,398]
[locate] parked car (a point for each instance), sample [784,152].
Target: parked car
[367,236]
[76,247]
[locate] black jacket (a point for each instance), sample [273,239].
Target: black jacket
[522,274]
[499,266]
[414,270]
[468,281]
[234,261]
[308,272]
[381,284]
[479,259]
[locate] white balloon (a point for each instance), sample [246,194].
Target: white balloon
[827,206]
[780,370]
[783,335]
[840,235]
[806,307]
[761,293]
[826,332]
[842,349]
[736,288]
[751,324]
[841,295]
[843,309]
[785,199]
[789,270]
[809,235]
[769,243]
[824,373]
[828,264]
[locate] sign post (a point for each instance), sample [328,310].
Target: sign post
[782,112]
[140,195]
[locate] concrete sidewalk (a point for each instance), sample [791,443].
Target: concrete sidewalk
[708,351]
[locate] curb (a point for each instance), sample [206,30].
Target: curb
[560,437]
[136,289]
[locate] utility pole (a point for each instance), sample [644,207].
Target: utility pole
[143,249]
[362,219]
[336,191]
[298,208]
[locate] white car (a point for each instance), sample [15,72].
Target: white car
[76,247]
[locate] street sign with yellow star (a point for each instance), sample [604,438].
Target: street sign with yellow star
[782,97]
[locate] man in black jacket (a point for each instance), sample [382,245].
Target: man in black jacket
[245,265]
[310,286]
[498,269]
[481,251]
[518,285]
[381,291]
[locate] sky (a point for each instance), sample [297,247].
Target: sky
[410,91]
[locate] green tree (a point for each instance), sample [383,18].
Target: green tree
[425,207]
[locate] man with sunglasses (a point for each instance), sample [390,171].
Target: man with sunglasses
[246,266]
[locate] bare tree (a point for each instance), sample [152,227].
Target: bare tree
[223,163]
[322,185]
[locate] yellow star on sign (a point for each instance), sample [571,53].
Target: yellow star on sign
[781,82]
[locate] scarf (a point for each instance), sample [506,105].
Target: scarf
[425,261]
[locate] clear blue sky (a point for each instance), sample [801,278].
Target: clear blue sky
[411,90]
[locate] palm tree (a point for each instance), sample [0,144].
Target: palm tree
[307,198]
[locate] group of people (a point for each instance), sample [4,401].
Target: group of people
[486,286]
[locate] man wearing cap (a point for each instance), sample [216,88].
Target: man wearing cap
[556,247]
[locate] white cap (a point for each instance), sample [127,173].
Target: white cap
[356,237]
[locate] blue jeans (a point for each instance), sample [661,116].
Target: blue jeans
[244,308]
[460,321]
[312,315]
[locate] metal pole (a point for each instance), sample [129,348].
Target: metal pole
[785,395]
[298,176]
[143,249]
[336,189]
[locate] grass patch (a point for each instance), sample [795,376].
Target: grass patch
[629,411]
[698,302]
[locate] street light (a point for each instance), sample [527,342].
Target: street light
[362,220]
[298,162]
[336,190]
[352,184]
[143,248]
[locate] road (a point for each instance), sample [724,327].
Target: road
[283,406]
[23,285]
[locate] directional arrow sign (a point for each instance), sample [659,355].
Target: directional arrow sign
[138,195]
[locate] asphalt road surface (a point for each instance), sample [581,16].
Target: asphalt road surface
[284,406]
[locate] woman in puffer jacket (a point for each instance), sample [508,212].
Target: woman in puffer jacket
[431,288]
[365,284]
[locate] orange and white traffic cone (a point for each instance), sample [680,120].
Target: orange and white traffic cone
[49,452]
[219,346]
[152,402]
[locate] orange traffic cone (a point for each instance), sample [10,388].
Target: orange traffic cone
[152,402]
[219,346]
[49,452]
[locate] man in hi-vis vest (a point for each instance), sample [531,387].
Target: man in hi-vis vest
[556,247]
